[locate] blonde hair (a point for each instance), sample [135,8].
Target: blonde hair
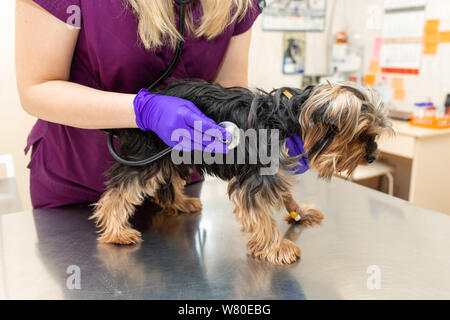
[156,20]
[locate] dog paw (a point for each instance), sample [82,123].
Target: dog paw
[286,253]
[190,205]
[170,211]
[309,216]
[124,236]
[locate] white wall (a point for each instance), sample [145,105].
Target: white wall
[15,124]
[266,56]
[353,16]
[434,79]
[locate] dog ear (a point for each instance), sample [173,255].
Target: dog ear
[335,115]
[330,111]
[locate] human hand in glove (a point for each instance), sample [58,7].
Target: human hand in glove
[173,118]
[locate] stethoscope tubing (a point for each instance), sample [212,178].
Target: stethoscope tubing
[173,64]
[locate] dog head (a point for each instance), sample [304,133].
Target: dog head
[340,123]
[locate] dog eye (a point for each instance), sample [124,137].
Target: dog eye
[364,137]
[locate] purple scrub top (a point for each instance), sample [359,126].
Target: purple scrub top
[68,164]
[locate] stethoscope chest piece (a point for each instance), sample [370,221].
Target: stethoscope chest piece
[235,134]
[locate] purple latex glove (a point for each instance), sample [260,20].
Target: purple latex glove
[295,148]
[179,123]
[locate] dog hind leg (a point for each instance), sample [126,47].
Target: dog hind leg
[173,200]
[113,210]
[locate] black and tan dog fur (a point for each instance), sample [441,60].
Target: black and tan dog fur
[338,123]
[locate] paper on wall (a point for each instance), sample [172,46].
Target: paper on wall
[401,55]
[376,52]
[409,24]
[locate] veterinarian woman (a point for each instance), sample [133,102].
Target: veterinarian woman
[79,80]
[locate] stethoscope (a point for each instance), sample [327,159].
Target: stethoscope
[229,126]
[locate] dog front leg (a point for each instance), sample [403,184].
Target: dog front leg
[309,215]
[265,240]
[114,209]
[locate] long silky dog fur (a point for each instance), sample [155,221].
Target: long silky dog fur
[338,123]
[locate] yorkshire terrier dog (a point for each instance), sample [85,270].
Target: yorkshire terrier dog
[338,124]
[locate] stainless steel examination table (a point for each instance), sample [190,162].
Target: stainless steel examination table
[370,246]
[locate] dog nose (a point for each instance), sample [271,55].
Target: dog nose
[371,158]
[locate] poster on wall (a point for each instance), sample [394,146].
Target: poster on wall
[294,45]
[402,58]
[294,15]
[403,29]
